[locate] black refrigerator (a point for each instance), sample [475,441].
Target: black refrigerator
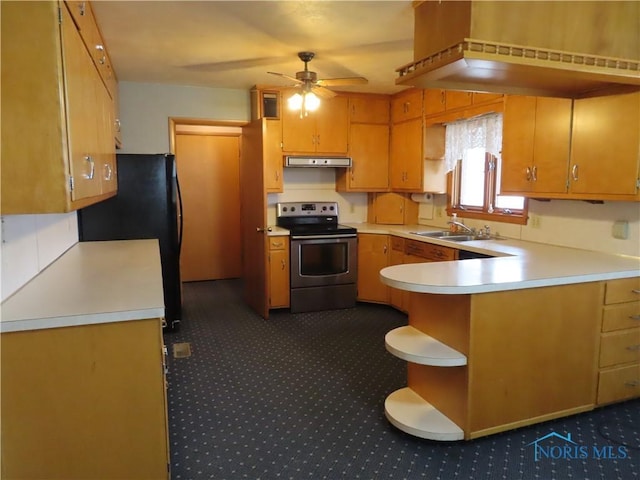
[148,205]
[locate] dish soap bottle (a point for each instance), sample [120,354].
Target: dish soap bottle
[453,228]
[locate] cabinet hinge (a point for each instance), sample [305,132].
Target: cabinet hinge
[71,182]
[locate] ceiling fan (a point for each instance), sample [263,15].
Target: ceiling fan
[309,81]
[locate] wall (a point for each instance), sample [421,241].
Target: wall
[566,223]
[145,109]
[317,185]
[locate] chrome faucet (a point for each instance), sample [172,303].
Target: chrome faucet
[471,231]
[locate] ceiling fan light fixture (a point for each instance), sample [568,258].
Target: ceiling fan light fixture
[305,102]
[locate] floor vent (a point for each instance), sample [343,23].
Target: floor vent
[181,350]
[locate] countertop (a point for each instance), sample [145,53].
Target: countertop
[517,265]
[92,282]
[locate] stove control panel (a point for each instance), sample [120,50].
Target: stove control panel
[301,209]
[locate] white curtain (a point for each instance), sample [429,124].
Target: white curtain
[484,131]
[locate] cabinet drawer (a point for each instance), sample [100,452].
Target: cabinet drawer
[429,251]
[407,105]
[619,383]
[397,244]
[620,347]
[623,290]
[618,317]
[277,243]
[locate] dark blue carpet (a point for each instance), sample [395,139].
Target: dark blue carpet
[301,396]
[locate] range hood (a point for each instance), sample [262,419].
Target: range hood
[313,161]
[561,48]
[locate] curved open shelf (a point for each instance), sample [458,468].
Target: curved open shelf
[414,346]
[409,412]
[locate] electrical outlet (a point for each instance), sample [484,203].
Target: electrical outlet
[352,208]
[439,212]
[534,221]
[620,229]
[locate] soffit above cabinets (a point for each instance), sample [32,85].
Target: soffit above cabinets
[564,49]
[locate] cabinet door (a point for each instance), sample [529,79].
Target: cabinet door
[272,145]
[518,127]
[373,256]
[369,150]
[406,155]
[397,298]
[82,128]
[279,286]
[332,126]
[298,134]
[106,164]
[552,141]
[434,101]
[455,99]
[605,143]
[406,105]
[369,109]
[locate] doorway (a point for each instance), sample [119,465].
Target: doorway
[208,166]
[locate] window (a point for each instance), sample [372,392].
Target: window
[473,155]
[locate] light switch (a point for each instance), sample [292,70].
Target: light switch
[620,229]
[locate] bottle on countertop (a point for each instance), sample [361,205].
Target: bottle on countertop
[453,228]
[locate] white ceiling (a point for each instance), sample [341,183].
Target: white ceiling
[232,44]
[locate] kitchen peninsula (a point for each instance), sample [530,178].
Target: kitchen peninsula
[535,333]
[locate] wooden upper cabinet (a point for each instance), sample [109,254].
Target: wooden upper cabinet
[272,153]
[369,152]
[325,131]
[435,101]
[605,146]
[407,160]
[535,144]
[406,105]
[54,152]
[369,109]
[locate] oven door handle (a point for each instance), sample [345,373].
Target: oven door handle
[322,237]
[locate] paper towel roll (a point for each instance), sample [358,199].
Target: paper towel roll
[422,197]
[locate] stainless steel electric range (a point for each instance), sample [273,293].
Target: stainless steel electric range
[324,256]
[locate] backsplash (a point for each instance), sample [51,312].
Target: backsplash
[30,243]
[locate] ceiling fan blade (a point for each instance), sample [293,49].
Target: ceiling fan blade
[335,82]
[323,92]
[293,79]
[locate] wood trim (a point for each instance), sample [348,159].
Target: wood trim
[174,121]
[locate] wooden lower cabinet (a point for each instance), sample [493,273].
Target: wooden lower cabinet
[519,357]
[373,256]
[619,359]
[85,402]
[279,283]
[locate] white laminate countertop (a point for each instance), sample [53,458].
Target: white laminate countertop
[517,265]
[92,282]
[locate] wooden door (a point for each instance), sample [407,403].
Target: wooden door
[373,256]
[209,173]
[254,218]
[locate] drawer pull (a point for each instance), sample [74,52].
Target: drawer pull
[634,348]
[635,290]
[634,317]
[635,383]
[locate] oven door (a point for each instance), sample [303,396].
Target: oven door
[323,260]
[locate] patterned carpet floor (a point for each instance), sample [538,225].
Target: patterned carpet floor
[301,396]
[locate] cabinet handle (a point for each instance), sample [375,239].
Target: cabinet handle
[92,167]
[534,173]
[443,97]
[82,7]
[318,137]
[574,172]
[277,244]
[108,171]
[634,317]
[103,58]
[635,290]
[283,264]
[634,348]
[258,229]
[528,174]
[117,123]
[277,175]
[634,383]
[384,249]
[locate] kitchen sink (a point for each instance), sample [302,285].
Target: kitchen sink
[452,236]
